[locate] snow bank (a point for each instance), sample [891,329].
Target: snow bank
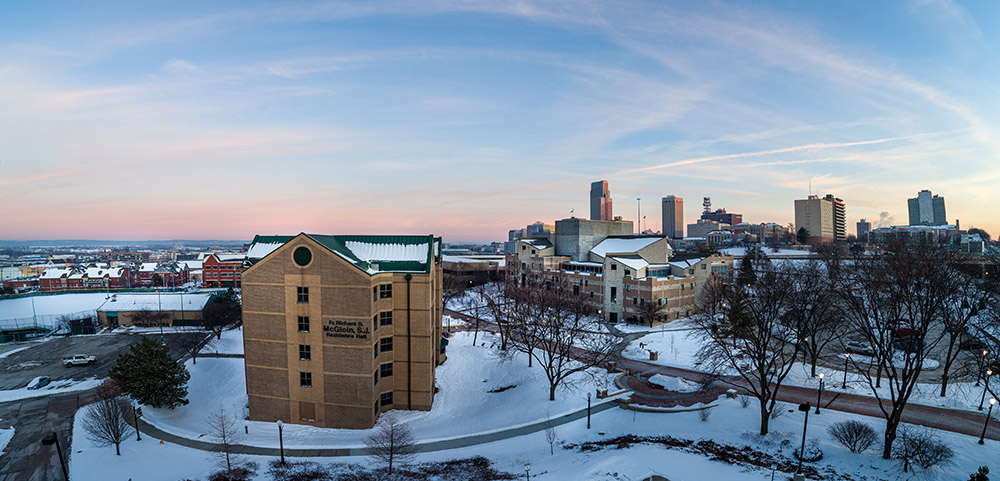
[671,383]
[14,351]
[57,387]
[5,436]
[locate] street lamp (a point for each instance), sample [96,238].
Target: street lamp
[135,415]
[281,442]
[53,439]
[804,407]
[588,410]
[819,395]
[987,423]
[982,363]
[846,358]
[989,372]
[527,469]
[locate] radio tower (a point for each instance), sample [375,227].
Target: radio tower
[707,204]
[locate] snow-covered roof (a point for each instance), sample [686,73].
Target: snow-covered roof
[193,265]
[537,242]
[230,257]
[374,252]
[155,302]
[260,250]
[55,273]
[613,245]
[633,262]
[147,267]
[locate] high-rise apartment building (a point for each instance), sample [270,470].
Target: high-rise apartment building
[823,218]
[673,217]
[927,209]
[864,227]
[338,329]
[600,201]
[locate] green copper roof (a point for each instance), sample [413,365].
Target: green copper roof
[372,254]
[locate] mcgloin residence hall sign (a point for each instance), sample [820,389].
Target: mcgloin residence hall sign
[345,329]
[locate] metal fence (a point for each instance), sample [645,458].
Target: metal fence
[43,321]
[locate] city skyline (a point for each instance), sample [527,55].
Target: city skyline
[220,121]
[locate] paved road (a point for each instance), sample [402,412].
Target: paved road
[442,445]
[963,422]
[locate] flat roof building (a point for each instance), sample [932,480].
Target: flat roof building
[338,329]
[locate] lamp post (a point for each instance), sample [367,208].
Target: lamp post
[53,439]
[135,415]
[846,358]
[804,407]
[588,410]
[982,363]
[987,423]
[527,469]
[774,466]
[281,441]
[986,387]
[819,394]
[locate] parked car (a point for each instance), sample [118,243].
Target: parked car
[39,382]
[79,360]
[902,328]
[857,347]
[970,343]
[908,345]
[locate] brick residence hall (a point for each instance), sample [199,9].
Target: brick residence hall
[338,329]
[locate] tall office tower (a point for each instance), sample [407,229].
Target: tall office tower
[927,209]
[600,201]
[864,227]
[824,219]
[673,217]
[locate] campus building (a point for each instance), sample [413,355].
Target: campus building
[823,218]
[926,209]
[337,329]
[222,270]
[673,216]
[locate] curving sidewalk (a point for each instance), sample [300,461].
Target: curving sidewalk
[438,445]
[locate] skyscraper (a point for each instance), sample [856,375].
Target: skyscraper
[673,217]
[600,201]
[864,227]
[927,209]
[823,218]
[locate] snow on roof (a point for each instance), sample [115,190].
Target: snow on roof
[230,257]
[262,249]
[613,245]
[193,265]
[537,242]
[55,273]
[369,252]
[147,267]
[155,302]
[633,262]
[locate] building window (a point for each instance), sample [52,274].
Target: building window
[385,318]
[614,294]
[376,379]
[703,266]
[376,350]
[385,291]
[385,370]
[385,399]
[614,267]
[303,323]
[591,294]
[628,288]
[385,344]
[306,379]
[628,272]
[302,256]
[691,271]
[303,293]
[305,352]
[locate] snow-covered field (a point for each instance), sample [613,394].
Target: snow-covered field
[728,424]
[5,436]
[231,342]
[48,308]
[57,387]
[462,407]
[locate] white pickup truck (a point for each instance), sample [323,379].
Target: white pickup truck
[79,360]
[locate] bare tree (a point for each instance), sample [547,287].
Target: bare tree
[557,328]
[193,342]
[148,318]
[856,436]
[920,449]
[104,421]
[452,287]
[391,442]
[813,314]
[892,300]
[225,429]
[744,336]
[971,297]
[647,310]
[550,436]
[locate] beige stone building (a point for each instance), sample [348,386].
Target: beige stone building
[338,329]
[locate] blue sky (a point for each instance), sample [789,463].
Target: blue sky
[466,119]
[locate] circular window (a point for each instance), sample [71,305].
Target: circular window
[303,256]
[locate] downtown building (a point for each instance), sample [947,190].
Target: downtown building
[600,201]
[673,216]
[926,209]
[617,272]
[824,218]
[338,329]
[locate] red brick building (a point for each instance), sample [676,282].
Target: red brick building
[18,284]
[222,270]
[126,255]
[171,274]
[79,277]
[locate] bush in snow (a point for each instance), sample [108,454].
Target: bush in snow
[779,409]
[981,475]
[918,448]
[745,399]
[245,472]
[854,435]
[813,453]
[704,414]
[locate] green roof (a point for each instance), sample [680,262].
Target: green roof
[369,253]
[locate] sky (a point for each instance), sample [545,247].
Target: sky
[222,120]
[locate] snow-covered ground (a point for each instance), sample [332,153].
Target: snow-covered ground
[14,350]
[741,251]
[678,349]
[47,309]
[728,424]
[231,342]
[56,387]
[5,436]
[462,407]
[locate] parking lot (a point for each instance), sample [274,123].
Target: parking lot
[44,358]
